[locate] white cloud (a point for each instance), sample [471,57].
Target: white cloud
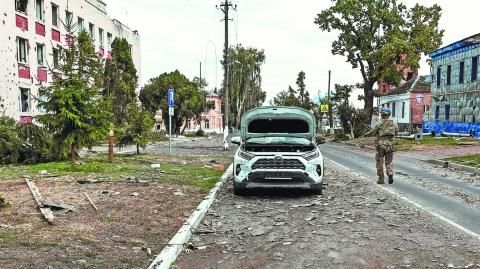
[179,34]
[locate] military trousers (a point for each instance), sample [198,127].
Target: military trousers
[384,155]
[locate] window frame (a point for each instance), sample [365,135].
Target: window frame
[68,18]
[109,41]
[91,30]
[403,110]
[56,58]
[55,14]
[22,60]
[41,98]
[17,8]
[394,108]
[449,75]
[40,14]
[101,39]
[439,76]
[41,51]
[447,112]
[80,24]
[461,75]
[29,100]
[474,73]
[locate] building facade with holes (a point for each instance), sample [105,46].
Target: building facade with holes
[455,89]
[31,32]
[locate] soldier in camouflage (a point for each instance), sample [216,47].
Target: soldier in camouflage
[385,131]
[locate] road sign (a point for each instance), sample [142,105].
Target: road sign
[324,108]
[170,111]
[170,97]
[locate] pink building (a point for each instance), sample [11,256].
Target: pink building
[408,74]
[212,120]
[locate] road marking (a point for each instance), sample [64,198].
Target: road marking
[442,218]
[339,164]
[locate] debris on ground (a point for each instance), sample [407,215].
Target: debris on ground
[218,168]
[178,193]
[90,201]
[6,226]
[46,211]
[109,192]
[43,172]
[155,165]
[135,194]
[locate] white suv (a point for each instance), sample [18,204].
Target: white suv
[278,150]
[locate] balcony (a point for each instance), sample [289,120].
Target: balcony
[42,74]
[23,71]
[109,55]
[40,29]
[21,22]
[101,52]
[55,35]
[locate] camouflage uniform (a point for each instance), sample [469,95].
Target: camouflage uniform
[384,144]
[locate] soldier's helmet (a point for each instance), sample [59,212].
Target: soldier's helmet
[385,111]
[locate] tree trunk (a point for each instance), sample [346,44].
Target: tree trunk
[368,99]
[138,149]
[72,155]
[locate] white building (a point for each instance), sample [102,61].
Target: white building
[30,33]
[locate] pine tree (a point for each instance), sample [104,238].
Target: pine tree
[76,113]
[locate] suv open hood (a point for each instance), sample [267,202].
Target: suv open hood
[279,121]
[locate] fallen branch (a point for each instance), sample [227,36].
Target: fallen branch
[90,200]
[46,211]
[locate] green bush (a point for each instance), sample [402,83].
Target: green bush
[26,144]
[200,133]
[157,136]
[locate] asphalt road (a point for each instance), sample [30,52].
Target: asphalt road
[455,212]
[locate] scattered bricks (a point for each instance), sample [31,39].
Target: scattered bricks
[218,167]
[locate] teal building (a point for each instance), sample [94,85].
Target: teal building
[455,89]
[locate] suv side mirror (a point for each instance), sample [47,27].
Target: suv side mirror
[236,140]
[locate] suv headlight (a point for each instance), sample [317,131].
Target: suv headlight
[311,155]
[245,155]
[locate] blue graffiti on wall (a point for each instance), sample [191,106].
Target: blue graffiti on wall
[451,127]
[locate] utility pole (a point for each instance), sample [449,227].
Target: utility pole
[330,111]
[225,6]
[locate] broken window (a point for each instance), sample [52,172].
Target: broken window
[24,100]
[474,68]
[100,37]
[54,15]
[41,55]
[461,76]
[80,25]
[22,50]
[39,9]
[55,59]
[68,19]
[449,75]
[41,98]
[278,126]
[21,5]
[439,76]
[91,30]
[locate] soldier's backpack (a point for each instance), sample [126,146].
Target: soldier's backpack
[387,128]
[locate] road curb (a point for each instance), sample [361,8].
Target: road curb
[456,166]
[171,251]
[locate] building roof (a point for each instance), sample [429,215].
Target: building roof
[420,84]
[456,47]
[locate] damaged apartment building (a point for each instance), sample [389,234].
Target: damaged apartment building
[31,31]
[455,89]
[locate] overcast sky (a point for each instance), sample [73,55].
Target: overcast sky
[179,34]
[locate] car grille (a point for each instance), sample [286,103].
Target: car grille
[278,164]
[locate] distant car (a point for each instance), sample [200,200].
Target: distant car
[277,149]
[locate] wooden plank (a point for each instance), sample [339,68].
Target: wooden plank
[90,200]
[55,205]
[46,212]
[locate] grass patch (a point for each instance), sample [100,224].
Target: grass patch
[404,144]
[470,160]
[182,170]
[7,236]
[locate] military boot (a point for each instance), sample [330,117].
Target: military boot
[390,179]
[380,180]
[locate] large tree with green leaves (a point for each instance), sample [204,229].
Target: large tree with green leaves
[76,113]
[245,81]
[373,33]
[189,98]
[121,80]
